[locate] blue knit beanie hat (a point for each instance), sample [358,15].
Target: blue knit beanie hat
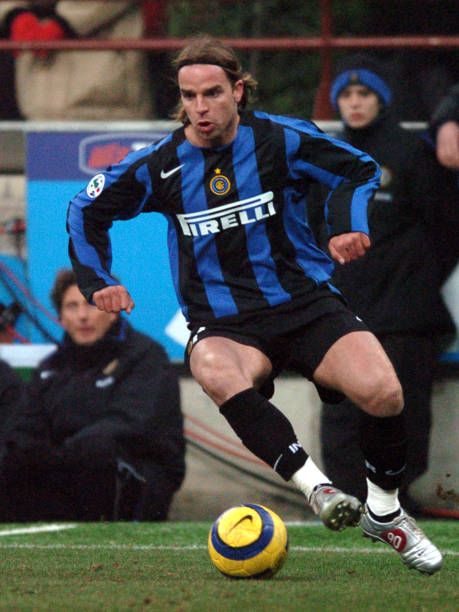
[360,70]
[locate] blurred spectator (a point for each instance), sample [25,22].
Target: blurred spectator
[82,85]
[12,399]
[441,185]
[8,108]
[101,437]
[395,288]
[445,127]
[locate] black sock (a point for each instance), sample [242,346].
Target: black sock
[265,431]
[383,441]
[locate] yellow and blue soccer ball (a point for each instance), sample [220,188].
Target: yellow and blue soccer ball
[248,541]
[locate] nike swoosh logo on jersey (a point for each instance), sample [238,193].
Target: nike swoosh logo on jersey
[165,175]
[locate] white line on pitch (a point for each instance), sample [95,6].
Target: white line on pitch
[36,529]
[149,547]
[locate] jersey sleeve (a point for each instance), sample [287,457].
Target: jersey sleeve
[119,193]
[351,176]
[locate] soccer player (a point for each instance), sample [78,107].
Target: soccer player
[253,285]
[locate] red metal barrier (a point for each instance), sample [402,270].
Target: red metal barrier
[249,44]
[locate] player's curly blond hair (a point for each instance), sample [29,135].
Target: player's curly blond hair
[204,49]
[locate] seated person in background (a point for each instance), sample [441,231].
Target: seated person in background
[101,437]
[12,398]
[395,287]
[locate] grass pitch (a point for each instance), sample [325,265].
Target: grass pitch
[165,566]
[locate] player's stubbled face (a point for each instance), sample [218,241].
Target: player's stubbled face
[210,101]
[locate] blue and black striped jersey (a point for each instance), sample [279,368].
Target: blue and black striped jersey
[238,236]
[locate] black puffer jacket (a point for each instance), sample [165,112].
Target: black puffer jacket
[395,287]
[122,388]
[12,399]
[446,207]
[448,109]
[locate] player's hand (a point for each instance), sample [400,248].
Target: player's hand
[114,298]
[347,247]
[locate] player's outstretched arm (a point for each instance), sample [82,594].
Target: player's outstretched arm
[114,298]
[347,247]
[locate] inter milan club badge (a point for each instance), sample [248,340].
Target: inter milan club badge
[219,184]
[95,186]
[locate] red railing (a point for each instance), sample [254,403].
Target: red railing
[313,43]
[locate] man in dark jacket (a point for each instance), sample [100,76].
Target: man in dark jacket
[12,399]
[101,437]
[445,125]
[442,141]
[395,288]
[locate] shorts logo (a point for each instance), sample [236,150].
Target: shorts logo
[195,336]
[95,186]
[235,214]
[219,184]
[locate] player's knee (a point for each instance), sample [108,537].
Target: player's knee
[207,369]
[218,377]
[384,398]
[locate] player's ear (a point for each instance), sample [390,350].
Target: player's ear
[238,91]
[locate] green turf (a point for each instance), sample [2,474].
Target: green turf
[143,566]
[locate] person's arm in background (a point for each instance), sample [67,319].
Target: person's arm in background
[12,400]
[445,127]
[429,192]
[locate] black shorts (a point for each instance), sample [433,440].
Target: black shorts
[294,340]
